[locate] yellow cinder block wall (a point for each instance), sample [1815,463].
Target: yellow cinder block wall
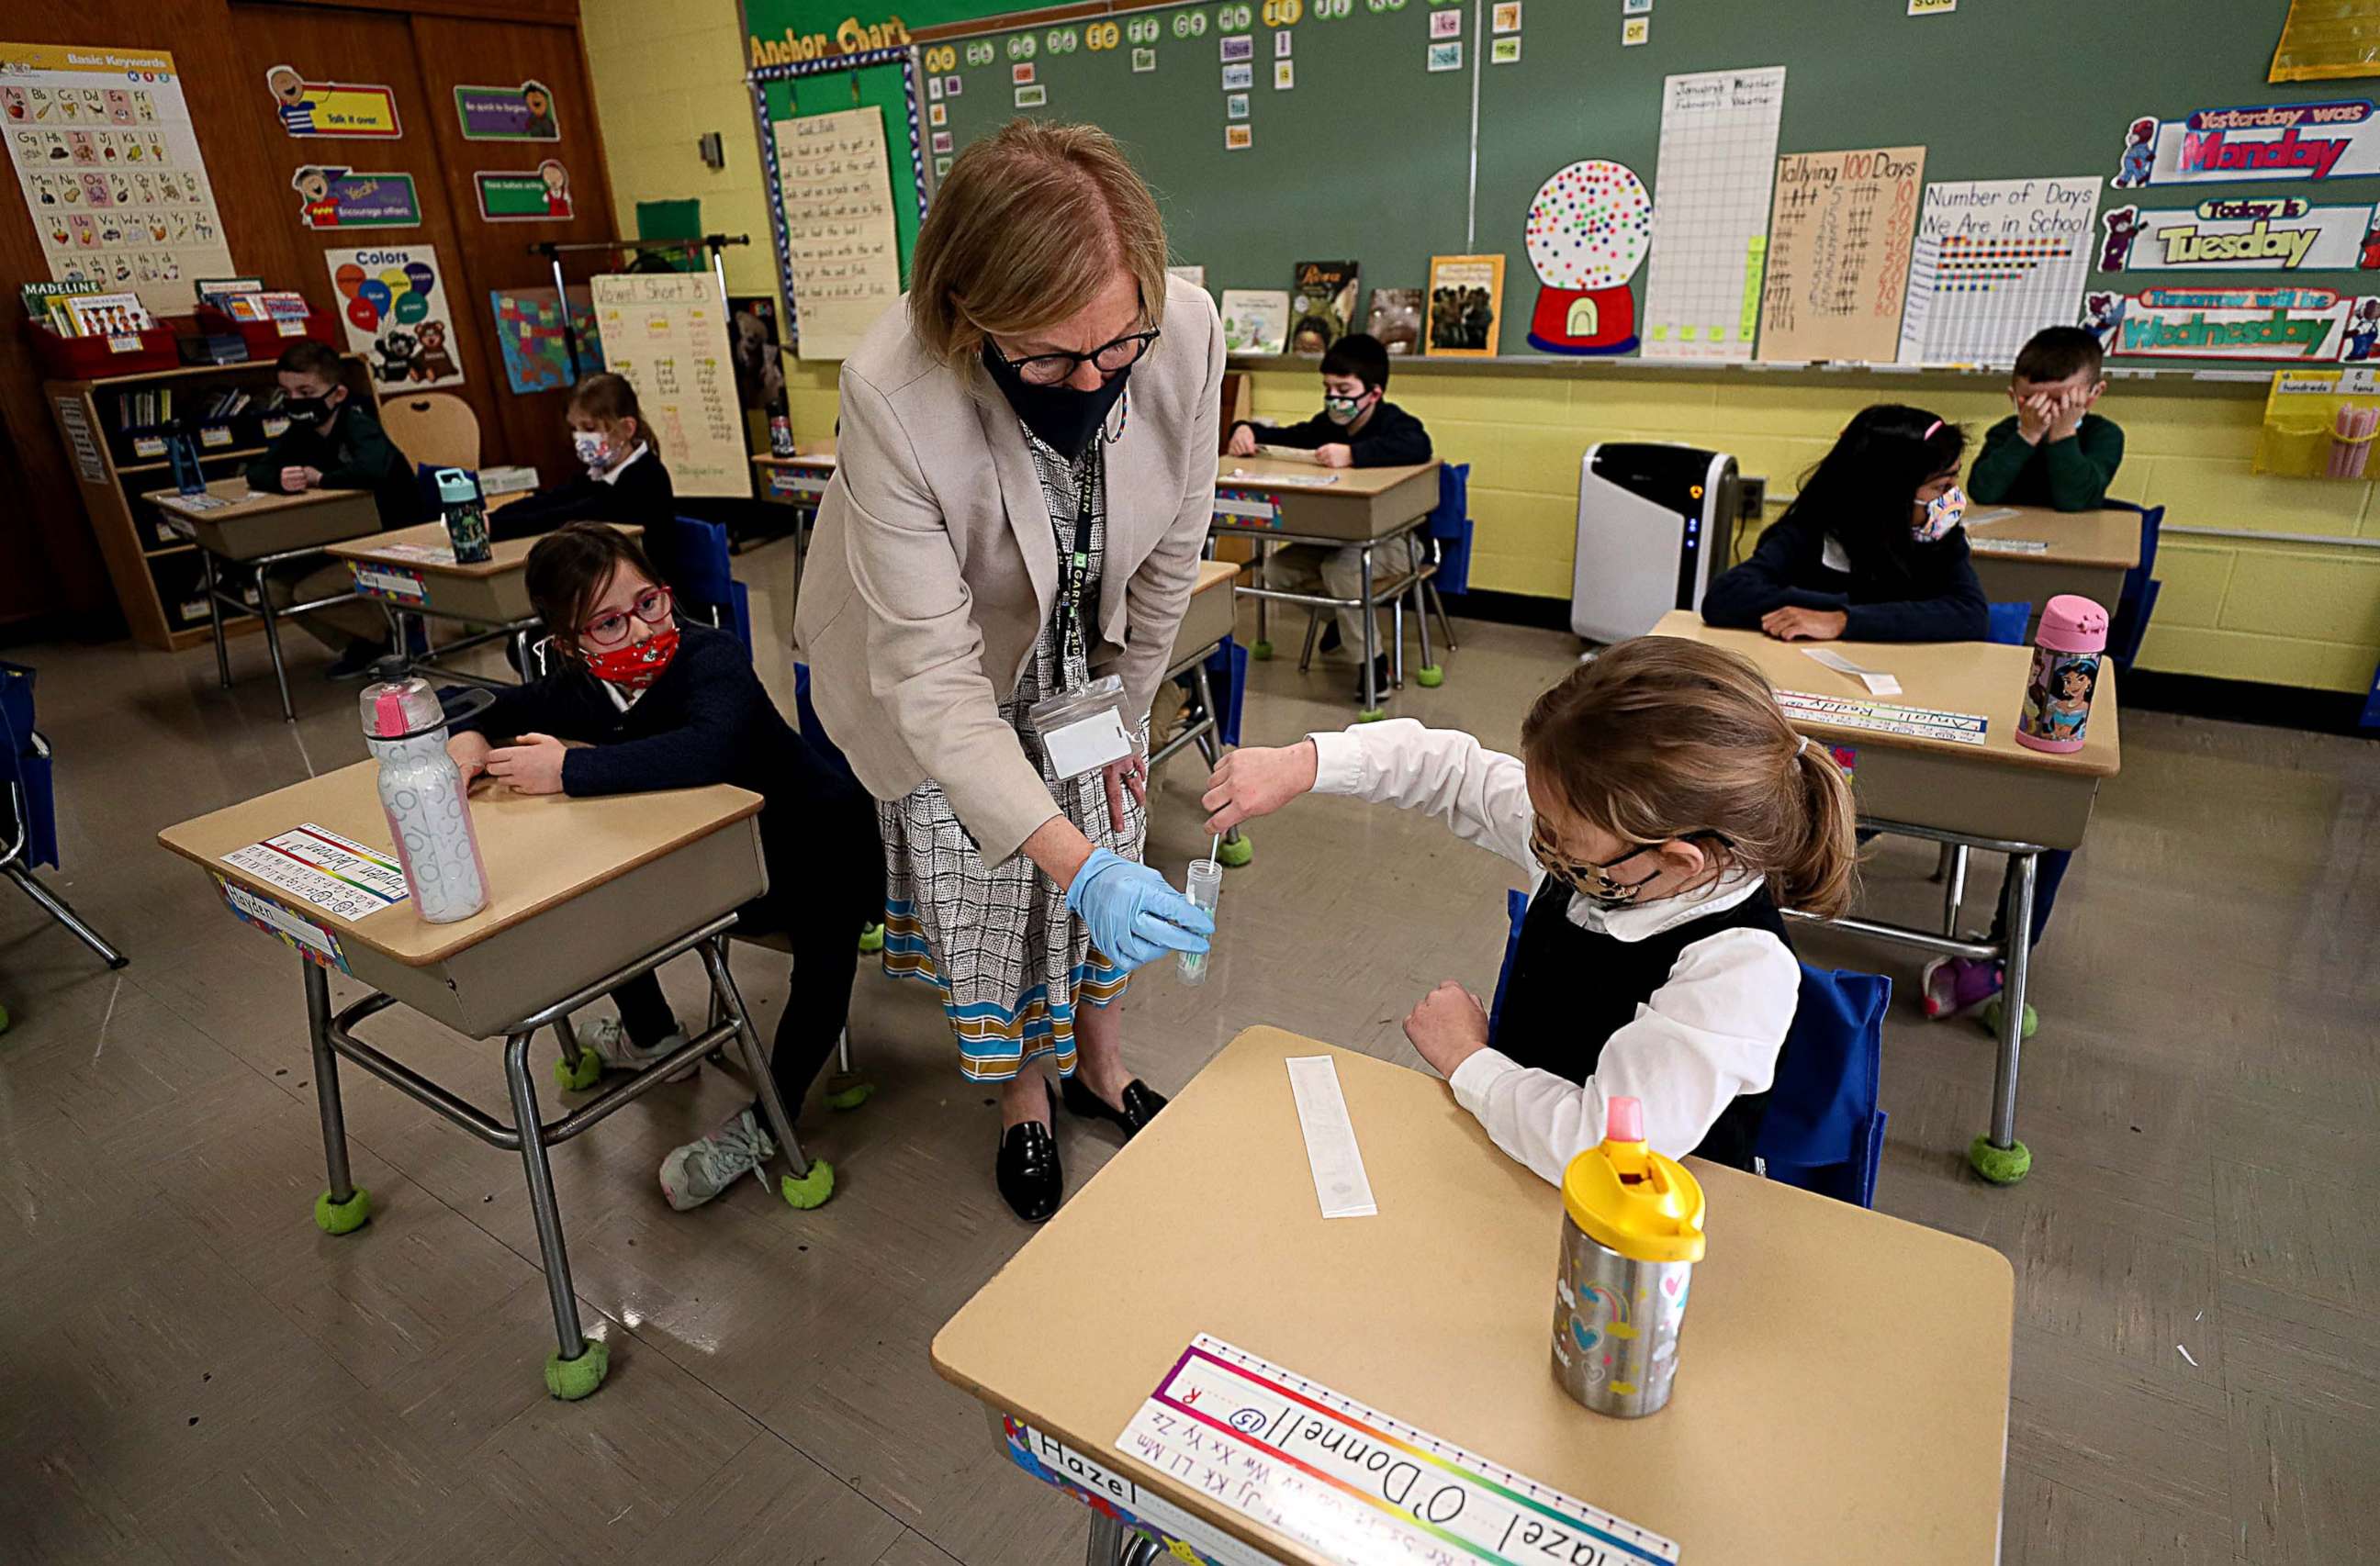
[2279,613]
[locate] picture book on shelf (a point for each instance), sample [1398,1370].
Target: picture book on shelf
[1255,320]
[1396,318]
[1466,306]
[1322,308]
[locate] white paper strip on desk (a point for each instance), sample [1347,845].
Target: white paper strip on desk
[1340,1182]
[1878,683]
[335,874]
[1353,1484]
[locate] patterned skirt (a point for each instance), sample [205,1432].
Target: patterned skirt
[1011,962]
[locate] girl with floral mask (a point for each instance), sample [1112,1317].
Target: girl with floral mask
[1871,548]
[1668,812]
[635,700]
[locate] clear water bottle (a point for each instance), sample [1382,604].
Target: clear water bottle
[422,791]
[467,516]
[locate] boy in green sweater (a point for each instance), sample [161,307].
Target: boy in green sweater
[2055,452]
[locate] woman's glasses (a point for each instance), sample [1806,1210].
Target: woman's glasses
[1050,370]
[652,606]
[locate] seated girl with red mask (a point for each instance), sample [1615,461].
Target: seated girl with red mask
[637,702]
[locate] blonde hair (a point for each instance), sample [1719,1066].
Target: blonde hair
[611,398]
[1030,224]
[1661,738]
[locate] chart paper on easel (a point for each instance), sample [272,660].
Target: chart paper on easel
[667,333]
[1710,213]
[840,243]
[1839,244]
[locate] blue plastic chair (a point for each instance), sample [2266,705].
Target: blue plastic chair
[2129,621]
[1823,1131]
[696,559]
[28,829]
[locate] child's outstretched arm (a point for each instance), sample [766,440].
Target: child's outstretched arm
[1482,794]
[1710,1034]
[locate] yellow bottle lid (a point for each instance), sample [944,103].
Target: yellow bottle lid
[1631,1199]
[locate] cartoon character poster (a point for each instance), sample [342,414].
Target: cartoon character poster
[332,108]
[399,315]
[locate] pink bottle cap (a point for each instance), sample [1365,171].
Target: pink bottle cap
[2071,623]
[1626,1123]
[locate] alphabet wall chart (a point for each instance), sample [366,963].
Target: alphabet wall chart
[109,166]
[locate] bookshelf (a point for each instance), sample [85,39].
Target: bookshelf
[157,577]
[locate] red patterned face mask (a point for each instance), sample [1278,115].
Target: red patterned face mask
[637,665]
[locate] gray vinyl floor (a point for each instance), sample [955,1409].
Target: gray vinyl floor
[193,1373]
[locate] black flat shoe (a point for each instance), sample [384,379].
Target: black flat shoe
[1141,1103]
[1027,1170]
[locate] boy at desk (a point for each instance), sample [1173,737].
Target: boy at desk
[333,442]
[2054,450]
[1358,427]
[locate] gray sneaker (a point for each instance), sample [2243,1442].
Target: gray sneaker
[691,1175]
[613,1045]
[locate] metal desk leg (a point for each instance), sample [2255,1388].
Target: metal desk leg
[1999,1157]
[577,1367]
[341,1209]
[271,616]
[1953,871]
[1371,649]
[214,616]
[812,1181]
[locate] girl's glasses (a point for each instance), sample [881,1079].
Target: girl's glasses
[1048,369]
[652,606]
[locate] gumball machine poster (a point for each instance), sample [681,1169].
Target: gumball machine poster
[399,314]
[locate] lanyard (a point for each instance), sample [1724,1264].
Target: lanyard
[1074,572]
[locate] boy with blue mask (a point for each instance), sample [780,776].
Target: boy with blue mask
[1357,428]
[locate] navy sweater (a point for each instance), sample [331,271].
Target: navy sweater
[707,720]
[1930,594]
[1390,438]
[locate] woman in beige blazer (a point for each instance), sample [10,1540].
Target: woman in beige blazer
[1035,429]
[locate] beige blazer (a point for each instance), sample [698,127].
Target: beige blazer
[935,567]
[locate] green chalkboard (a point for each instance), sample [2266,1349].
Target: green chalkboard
[1373,155]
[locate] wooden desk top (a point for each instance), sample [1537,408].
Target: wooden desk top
[1252,473]
[245,501]
[540,850]
[807,454]
[1842,1381]
[2075,538]
[1213,574]
[509,555]
[1986,678]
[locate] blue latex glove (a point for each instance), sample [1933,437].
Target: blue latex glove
[1135,917]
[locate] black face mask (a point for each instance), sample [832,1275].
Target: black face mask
[1063,417]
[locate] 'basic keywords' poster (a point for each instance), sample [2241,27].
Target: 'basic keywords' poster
[110,168]
[1995,260]
[1838,254]
[1710,213]
[839,247]
[667,333]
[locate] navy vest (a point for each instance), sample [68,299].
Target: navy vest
[1572,988]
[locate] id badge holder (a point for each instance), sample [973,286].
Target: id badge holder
[1083,730]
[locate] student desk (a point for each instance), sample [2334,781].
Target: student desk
[1275,501]
[1843,1390]
[587,894]
[800,481]
[1997,796]
[2084,552]
[1206,628]
[252,532]
[412,572]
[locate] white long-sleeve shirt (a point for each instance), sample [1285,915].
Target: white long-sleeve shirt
[1708,1036]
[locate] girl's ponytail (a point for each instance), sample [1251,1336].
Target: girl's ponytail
[1822,859]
